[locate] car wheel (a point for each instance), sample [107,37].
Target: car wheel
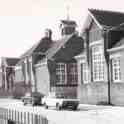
[58,107]
[75,108]
[46,106]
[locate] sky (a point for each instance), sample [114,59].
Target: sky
[22,22]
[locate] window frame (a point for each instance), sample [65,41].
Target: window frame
[98,62]
[61,73]
[116,76]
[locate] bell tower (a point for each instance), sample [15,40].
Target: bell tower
[67,26]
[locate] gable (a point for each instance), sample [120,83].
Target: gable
[90,23]
[93,25]
[95,33]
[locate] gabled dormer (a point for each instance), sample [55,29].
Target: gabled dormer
[67,27]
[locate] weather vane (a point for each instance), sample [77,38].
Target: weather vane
[68,9]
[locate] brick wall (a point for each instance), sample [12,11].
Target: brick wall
[93,93]
[117,93]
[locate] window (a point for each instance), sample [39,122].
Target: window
[116,73]
[98,63]
[84,73]
[73,73]
[61,73]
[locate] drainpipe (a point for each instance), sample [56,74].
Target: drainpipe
[108,64]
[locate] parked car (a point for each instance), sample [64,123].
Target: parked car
[60,102]
[33,98]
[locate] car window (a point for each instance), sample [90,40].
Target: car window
[51,96]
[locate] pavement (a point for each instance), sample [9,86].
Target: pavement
[86,114]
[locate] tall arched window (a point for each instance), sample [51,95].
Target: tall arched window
[116,73]
[98,63]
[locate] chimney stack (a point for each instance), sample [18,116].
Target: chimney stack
[48,33]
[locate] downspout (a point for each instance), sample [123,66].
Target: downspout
[107,40]
[88,53]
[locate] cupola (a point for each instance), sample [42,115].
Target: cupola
[67,27]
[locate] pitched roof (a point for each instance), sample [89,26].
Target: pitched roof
[42,44]
[118,46]
[51,49]
[57,45]
[108,18]
[29,51]
[10,61]
[119,43]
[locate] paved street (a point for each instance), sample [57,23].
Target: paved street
[89,114]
